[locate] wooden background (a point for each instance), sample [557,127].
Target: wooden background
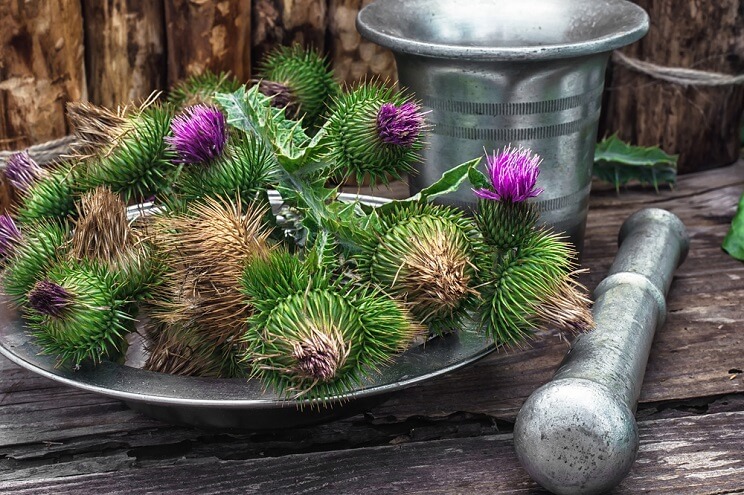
[115,51]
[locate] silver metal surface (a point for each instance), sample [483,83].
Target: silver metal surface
[499,72]
[577,434]
[238,403]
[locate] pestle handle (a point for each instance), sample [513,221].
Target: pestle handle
[577,434]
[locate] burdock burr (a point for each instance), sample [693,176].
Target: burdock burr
[577,434]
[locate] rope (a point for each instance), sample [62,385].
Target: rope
[45,152]
[675,75]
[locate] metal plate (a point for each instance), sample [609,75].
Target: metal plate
[237,403]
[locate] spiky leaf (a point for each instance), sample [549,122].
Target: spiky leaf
[618,163]
[733,243]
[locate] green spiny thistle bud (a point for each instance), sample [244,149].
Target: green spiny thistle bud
[312,338]
[307,78]
[424,255]
[201,89]
[246,166]
[506,225]
[52,196]
[531,286]
[127,152]
[41,245]
[377,131]
[73,313]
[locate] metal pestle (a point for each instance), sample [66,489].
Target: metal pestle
[577,434]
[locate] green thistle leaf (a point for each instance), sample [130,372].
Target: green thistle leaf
[618,163]
[733,243]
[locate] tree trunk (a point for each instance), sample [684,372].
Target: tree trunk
[41,69]
[202,34]
[125,50]
[700,123]
[355,59]
[284,22]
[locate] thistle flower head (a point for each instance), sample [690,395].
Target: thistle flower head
[199,134]
[399,125]
[513,174]
[22,171]
[10,236]
[49,298]
[374,132]
[97,129]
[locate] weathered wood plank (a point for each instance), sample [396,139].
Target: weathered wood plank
[124,50]
[692,455]
[284,22]
[41,69]
[211,36]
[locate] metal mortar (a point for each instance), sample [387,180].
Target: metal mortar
[499,72]
[577,434]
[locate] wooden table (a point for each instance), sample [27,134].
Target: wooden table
[449,435]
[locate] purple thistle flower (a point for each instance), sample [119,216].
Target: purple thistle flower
[10,236]
[49,298]
[22,171]
[400,125]
[513,174]
[199,134]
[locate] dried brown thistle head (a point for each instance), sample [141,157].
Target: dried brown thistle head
[436,275]
[102,231]
[206,250]
[567,308]
[98,130]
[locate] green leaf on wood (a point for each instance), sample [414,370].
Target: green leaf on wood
[733,243]
[618,163]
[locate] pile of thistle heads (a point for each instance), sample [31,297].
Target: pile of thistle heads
[215,277]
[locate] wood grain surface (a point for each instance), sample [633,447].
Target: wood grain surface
[448,435]
[125,50]
[41,69]
[700,123]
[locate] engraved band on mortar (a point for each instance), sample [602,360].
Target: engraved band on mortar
[520,108]
[512,134]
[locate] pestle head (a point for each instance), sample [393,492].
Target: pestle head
[574,436]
